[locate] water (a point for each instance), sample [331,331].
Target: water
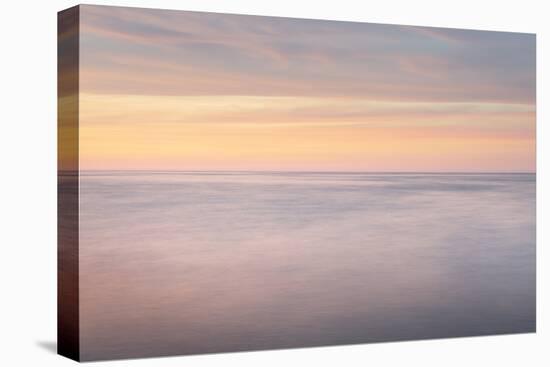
[197,262]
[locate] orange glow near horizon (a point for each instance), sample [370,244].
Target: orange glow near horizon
[253,133]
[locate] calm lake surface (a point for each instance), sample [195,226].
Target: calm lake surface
[197,262]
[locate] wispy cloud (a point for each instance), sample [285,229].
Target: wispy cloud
[282,56]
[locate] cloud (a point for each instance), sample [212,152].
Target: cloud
[116,110]
[158,52]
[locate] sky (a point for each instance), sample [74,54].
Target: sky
[176,90]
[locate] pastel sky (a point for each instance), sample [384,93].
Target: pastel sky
[175,90]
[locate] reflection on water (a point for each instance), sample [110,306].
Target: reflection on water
[196,262]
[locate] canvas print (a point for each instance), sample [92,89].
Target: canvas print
[234,182]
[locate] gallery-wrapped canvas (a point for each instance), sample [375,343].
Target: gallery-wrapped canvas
[234,182]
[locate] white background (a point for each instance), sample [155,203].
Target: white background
[28,182]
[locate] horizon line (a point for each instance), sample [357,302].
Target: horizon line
[296,171]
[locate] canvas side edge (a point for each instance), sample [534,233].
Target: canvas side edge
[68,325]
